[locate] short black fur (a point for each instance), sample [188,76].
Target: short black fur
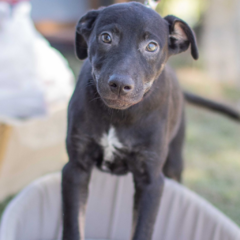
[125,89]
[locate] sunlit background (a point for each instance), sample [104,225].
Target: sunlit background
[212,151]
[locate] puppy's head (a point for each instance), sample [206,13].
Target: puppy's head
[128,45]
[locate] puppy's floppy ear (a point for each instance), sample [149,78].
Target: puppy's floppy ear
[83,31]
[181,36]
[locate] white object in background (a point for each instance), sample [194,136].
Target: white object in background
[33,75]
[36,212]
[4,12]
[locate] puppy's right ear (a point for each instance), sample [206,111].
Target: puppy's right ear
[83,31]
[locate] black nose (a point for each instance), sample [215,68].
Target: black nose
[121,84]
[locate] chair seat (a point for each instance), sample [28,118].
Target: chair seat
[35,214]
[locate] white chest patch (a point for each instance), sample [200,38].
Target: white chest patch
[110,142]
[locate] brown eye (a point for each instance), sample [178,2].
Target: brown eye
[152,47]
[106,38]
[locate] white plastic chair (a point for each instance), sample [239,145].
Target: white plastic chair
[35,214]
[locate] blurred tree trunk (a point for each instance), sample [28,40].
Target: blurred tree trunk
[221,40]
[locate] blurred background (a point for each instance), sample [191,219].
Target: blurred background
[33,145]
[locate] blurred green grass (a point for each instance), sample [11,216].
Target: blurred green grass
[212,160]
[4,204]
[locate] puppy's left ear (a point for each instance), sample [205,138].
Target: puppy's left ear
[83,31]
[181,36]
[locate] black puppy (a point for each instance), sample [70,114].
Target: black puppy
[127,111]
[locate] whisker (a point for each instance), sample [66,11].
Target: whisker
[94,99]
[90,83]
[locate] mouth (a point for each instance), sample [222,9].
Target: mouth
[118,104]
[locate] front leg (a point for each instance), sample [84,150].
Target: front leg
[75,181]
[149,183]
[146,204]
